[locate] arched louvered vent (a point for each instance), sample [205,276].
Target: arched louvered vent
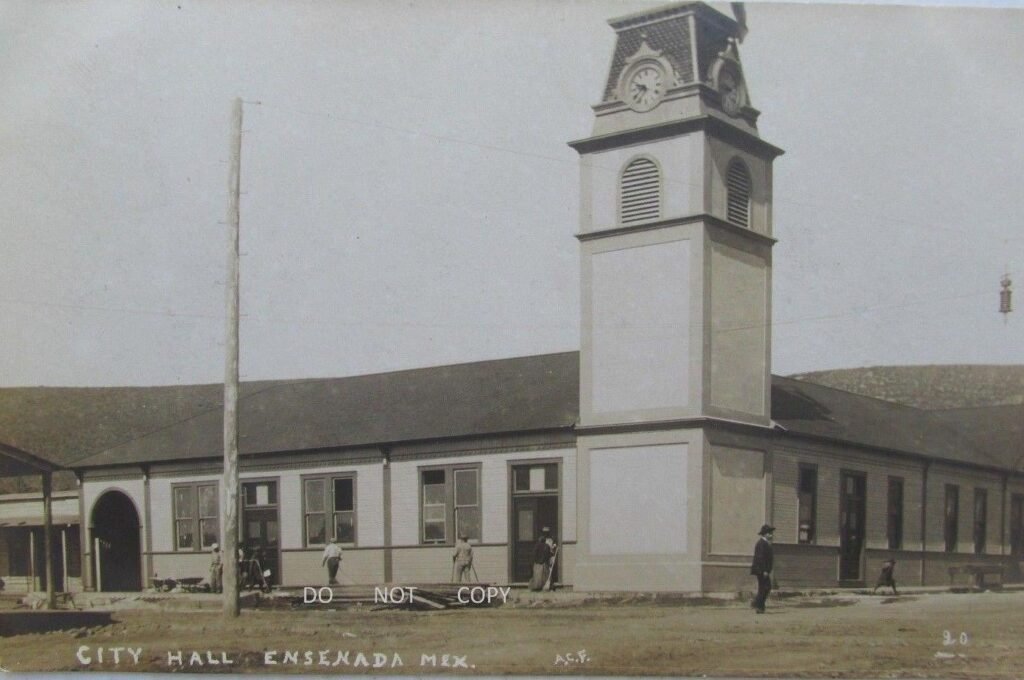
[738,191]
[640,192]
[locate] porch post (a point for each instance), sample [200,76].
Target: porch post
[64,557]
[51,593]
[31,560]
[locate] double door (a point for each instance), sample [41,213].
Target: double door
[530,515]
[535,490]
[852,513]
[260,537]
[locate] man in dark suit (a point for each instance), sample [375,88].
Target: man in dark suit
[761,567]
[541,560]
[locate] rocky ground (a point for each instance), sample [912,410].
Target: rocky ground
[948,635]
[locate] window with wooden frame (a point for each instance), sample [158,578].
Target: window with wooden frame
[259,493]
[807,503]
[980,520]
[450,504]
[196,517]
[534,478]
[467,503]
[951,517]
[329,509]
[894,514]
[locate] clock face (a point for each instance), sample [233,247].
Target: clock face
[645,87]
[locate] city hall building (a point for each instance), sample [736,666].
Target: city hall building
[654,453]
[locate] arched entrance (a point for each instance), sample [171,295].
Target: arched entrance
[116,553]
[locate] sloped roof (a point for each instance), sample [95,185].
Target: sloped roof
[818,411]
[996,431]
[16,462]
[946,386]
[37,520]
[65,424]
[85,427]
[508,395]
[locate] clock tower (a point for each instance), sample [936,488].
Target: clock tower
[676,239]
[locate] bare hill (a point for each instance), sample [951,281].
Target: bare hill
[930,387]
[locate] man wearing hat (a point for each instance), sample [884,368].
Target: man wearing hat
[541,560]
[215,568]
[463,558]
[761,567]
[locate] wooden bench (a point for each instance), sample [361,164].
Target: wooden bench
[977,572]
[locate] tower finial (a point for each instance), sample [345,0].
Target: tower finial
[740,12]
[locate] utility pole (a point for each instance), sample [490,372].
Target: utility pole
[51,587]
[229,555]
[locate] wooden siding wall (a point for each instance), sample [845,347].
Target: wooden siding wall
[967,480]
[303,567]
[62,504]
[816,565]
[797,565]
[363,563]
[181,565]
[830,465]
[369,507]
[737,498]
[906,572]
[494,493]
[805,565]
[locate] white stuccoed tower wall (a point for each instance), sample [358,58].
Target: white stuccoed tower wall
[675,244]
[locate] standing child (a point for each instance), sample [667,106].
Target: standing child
[332,558]
[886,577]
[463,558]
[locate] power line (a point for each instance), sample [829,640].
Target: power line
[858,310]
[194,416]
[492,147]
[116,310]
[827,209]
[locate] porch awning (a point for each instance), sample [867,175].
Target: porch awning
[17,463]
[36,520]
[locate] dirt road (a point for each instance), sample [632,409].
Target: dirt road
[974,635]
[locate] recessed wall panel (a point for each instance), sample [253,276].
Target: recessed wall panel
[737,499]
[638,499]
[739,331]
[641,327]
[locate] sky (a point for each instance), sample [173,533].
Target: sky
[409,198]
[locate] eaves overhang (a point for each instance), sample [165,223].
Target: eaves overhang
[711,124]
